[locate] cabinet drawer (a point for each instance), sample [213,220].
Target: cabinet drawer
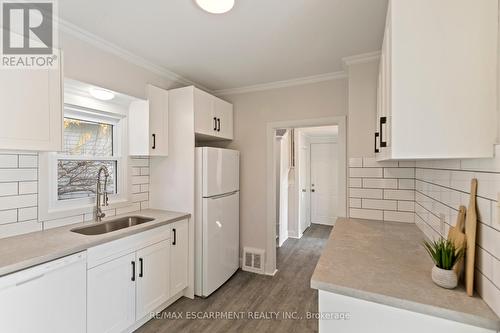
[103,253]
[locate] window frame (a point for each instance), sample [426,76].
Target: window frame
[50,206]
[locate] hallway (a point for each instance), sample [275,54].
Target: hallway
[248,294]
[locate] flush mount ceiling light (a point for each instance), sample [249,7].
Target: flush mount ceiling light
[216,6]
[102,94]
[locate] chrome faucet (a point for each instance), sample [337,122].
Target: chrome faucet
[101,194]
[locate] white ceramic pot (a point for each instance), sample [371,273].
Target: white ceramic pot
[444,278]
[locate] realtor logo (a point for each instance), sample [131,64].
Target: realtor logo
[28,34]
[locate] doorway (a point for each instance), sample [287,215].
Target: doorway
[321,203]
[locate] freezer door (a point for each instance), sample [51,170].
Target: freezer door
[221,171]
[220,241]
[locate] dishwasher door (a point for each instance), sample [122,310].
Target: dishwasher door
[48,298]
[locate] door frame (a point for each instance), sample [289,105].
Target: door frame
[340,121]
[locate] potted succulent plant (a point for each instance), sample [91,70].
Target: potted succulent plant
[445,255]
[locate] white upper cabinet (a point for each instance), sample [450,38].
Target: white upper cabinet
[437,94]
[213,117]
[31,109]
[148,124]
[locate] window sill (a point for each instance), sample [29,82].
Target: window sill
[59,213]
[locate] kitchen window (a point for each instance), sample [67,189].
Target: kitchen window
[91,138]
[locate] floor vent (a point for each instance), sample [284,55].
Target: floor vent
[253,260]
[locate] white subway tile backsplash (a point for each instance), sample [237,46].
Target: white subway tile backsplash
[132,208]
[138,197]
[144,171]
[144,187]
[26,214]
[406,184]
[406,217]
[18,201]
[8,175]
[399,194]
[139,162]
[366,214]
[406,206]
[8,189]
[407,164]
[354,203]
[8,216]
[366,172]
[63,221]
[18,228]
[28,161]
[399,173]
[379,204]
[28,187]
[380,183]
[138,180]
[8,161]
[355,182]
[366,193]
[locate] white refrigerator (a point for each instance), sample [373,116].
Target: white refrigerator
[217,223]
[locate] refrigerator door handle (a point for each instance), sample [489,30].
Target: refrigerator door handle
[222,195]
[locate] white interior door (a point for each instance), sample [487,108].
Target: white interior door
[305,183]
[324,183]
[283,181]
[220,240]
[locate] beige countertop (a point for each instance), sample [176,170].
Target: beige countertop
[23,251]
[385,263]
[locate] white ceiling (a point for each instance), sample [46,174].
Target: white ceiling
[259,41]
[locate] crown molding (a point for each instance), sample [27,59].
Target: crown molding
[283,84]
[107,46]
[360,58]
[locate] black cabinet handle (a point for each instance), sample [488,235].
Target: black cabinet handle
[141,262]
[376,138]
[175,236]
[218,124]
[215,123]
[154,141]
[133,270]
[383,121]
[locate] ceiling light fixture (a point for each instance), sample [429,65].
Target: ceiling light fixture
[102,94]
[216,6]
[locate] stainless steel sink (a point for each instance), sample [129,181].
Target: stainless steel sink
[112,225]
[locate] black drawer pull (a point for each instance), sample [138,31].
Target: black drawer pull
[376,138]
[383,121]
[218,124]
[215,123]
[154,141]
[133,270]
[175,236]
[141,262]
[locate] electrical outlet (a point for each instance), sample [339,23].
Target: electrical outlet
[442,222]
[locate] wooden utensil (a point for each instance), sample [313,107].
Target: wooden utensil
[457,236]
[470,232]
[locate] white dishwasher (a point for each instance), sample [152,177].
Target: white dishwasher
[48,298]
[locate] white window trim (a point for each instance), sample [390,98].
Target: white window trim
[49,206]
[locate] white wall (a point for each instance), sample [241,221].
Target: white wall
[252,111]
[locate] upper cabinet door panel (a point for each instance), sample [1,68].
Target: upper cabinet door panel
[158,121]
[224,113]
[31,110]
[205,120]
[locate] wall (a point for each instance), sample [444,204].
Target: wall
[252,112]
[19,194]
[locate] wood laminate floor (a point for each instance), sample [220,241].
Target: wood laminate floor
[247,294]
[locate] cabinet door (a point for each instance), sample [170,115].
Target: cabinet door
[152,277]
[138,129]
[31,109]
[205,119]
[179,257]
[111,295]
[158,121]
[224,114]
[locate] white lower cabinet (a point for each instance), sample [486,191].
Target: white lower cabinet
[153,280]
[134,276]
[179,257]
[111,296]
[48,298]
